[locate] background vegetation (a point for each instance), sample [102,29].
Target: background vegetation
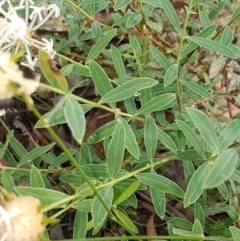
[142,119]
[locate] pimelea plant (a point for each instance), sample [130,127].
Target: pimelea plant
[17,26]
[141,109]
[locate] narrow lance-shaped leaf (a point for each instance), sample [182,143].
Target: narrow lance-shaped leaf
[171,14]
[205,33]
[196,184]
[166,140]
[102,133]
[227,36]
[35,153]
[161,183]
[118,62]
[51,72]
[150,137]
[235,233]
[229,134]
[99,213]
[101,44]
[198,89]
[7,181]
[192,138]
[171,74]
[161,102]
[75,119]
[126,222]
[159,201]
[121,4]
[128,89]
[116,150]
[213,46]
[205,127]
[128,192]
[131,142]
[36,179]
[46,196]
[80,225]
[159,57]
[100,78]
[222,168]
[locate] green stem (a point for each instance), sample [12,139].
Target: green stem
[74,162]
[171,237]
[180,46]
[116,111]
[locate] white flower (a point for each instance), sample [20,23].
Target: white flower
[20,219]
[10,75]
[17,33]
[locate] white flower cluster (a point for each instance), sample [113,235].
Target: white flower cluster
[18,24]
[20,219]
[12,80]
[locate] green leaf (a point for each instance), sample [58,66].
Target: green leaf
[128,89]
[51,72]
[150,137]
[159,202]
[205,33]
[119,4]
[160,58]
[192,138]
[197,227]
[199,212]
[167,141]
[51,118]
[18,148]
[54,117]
[196,184]
[6,143]
[116,149]
[128,192]
[227,36]
[198,89]
[182,232]
[99,213]
[118,62]
[235,233]
[131,142]
[160,183]
[222,168]
[195,2]
[229,134]
[179,222]
[125,221]
[171,74]
[46,196]
[102,133]
[205,127]
[36,179]
[84,205]
[96,30]
[100,45]
[84,155]
[35,153]
[67,69]
[7,181]
[80,225]
[204,19]
[161,102]
[171,14]
[75,119]
[213,46]
[100,79]
[135,45]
